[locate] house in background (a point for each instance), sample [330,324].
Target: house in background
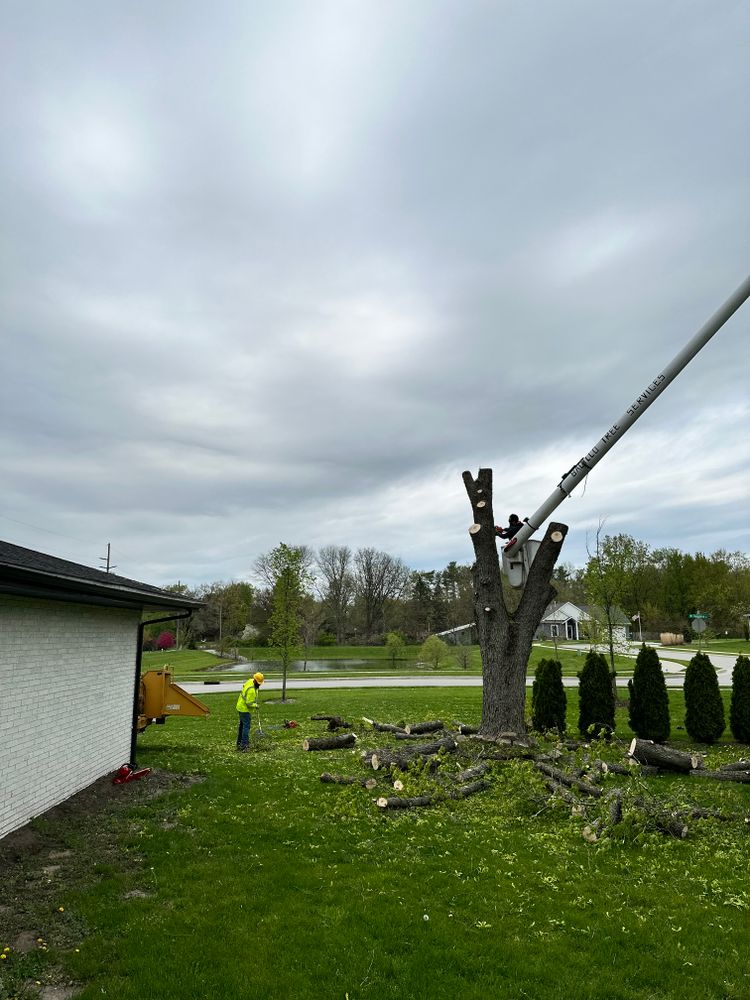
[573,622]
[70,644]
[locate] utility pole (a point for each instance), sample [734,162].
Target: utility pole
[106,559]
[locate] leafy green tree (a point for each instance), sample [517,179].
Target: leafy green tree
[396,647]
[287,566]
[649,701]
[596,703]
[704,709]
[434,651]
[548,700]
[739,708]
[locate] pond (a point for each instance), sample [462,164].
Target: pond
[266,666]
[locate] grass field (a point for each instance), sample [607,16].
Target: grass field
[262,882]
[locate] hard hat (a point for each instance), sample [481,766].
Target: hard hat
[258,678]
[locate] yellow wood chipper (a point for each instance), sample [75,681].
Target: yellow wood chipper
[160,697]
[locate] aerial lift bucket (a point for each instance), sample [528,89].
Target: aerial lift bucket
[160,698]
[517,562]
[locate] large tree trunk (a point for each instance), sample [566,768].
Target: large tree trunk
[504,638]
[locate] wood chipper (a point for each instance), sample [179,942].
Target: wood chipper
[160,697]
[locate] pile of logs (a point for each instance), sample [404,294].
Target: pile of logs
[659,758]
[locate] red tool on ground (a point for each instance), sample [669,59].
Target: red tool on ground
[127,773]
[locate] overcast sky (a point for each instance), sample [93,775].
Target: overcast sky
[282,271]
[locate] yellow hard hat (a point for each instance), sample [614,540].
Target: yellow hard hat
[258,678]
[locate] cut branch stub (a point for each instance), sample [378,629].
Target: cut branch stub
[474,528]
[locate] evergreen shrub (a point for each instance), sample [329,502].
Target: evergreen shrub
[739,707]
[704,709]
[548,700]
[649,701]
[596,701]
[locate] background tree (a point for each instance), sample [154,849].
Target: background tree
[596,703]
[165,641]
[396,647]
[379,578]
[704,709]
[606,579]
[548,699]
[287,565]
[334,564]
[649,701]
[434,651]
[739,708]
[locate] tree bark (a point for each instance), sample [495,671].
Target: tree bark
[566,779]
[383,727]
[666,758]
[425,727]
[329,742]
[743,777]
[505,638]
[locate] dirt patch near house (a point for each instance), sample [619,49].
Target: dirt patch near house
[65,850]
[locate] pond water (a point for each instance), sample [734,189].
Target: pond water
[312,666]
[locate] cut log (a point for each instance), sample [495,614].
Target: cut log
[743,777]
[334,722]
[329,742]
[425,727]
[615,806]
[562,792]
[465,730]
[605,767]
[347,779]
[407,736]
[383,727]
[395,802]
[666,758]
[566,779]
[402,758]
[472,772]
[738,765]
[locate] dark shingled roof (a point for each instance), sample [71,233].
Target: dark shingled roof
[24,572]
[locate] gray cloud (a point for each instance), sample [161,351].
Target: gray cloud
[281,272]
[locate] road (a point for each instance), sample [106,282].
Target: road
[674,670]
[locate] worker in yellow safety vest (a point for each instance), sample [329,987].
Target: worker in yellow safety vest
[246,703]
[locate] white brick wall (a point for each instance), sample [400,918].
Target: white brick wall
[66,701]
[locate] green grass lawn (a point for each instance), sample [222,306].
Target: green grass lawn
[261,882]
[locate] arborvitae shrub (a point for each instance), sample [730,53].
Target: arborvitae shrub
[548,701]
[739,707]
[596,703]
[649,701]
[704,709]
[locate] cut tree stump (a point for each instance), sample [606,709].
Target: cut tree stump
[347,779]
[666,758]
[329,742]
[425,727]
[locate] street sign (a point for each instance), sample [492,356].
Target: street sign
[699,614]
[699,625]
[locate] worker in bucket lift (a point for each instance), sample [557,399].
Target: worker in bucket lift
[514,526]
[247,702]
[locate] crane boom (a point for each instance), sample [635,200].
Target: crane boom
[639,405]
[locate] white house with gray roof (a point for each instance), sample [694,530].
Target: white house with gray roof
[70,652]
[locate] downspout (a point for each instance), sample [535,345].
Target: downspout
[137,688]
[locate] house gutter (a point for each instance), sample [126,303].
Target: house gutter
[137,685]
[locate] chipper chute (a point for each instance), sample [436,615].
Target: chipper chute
[160,697]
